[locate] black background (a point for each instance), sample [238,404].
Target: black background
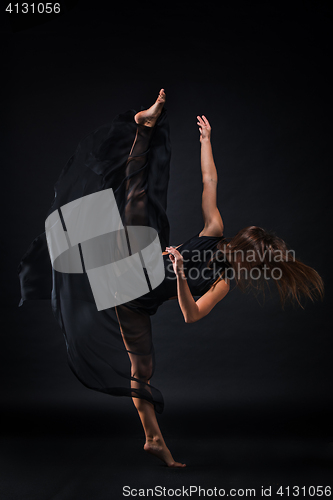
[247,390]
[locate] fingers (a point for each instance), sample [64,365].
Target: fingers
[203,122]
[200,120]
[171,256]
[200,123]
[173,252]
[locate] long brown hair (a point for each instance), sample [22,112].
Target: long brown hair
[256,256]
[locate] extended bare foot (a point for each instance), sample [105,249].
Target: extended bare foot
[149,116]
[159,449]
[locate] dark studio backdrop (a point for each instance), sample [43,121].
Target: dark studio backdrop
[260,72]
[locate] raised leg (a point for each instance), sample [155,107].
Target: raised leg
[136,206]
[149,116]
[136,209]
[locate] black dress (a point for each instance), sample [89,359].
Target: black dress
[111,350]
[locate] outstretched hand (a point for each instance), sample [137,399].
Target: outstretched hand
[204,127]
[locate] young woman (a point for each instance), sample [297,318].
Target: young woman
[111,350]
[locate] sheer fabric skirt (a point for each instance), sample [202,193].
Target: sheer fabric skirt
[111,350]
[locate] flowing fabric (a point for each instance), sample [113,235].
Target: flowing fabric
[112,350]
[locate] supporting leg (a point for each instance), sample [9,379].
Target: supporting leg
[136,332]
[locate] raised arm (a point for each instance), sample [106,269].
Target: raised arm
[213,224]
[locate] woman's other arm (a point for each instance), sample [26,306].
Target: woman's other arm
[194,310]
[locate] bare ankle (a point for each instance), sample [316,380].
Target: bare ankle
[156,439]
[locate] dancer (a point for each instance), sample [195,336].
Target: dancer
[112,350]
